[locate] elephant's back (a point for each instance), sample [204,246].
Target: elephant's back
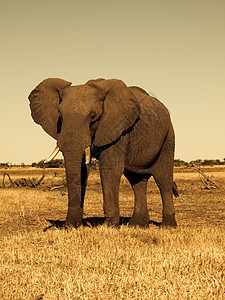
[147,102]
[153,112]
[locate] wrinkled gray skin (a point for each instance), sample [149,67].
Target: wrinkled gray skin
[129,132]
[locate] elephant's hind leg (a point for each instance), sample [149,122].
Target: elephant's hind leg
[162,172]
[139,185]
[163,176]
[167,199]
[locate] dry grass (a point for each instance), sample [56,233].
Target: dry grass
[106,263]
[102,263]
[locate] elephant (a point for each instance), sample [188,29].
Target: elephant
[126,129]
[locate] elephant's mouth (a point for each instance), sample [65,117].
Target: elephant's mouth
[56,151]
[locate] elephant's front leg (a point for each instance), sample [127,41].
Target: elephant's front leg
[111,170]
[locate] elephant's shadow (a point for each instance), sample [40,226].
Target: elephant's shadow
[91,222]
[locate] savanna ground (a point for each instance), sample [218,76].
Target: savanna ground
[95,262]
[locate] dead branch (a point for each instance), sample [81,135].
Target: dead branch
[206,181]
[40,180]
[42,177]
[57,187]
[22,182]
[3,181]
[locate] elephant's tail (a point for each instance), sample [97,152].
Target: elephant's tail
[175,189]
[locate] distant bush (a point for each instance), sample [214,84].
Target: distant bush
[5,165]
[212,162]
[59,163]
[208,162]
[180,163]
[199,162]
[55,163]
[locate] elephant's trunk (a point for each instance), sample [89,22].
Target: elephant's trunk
[73,145]
[76,174]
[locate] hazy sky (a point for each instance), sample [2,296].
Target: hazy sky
[175,49]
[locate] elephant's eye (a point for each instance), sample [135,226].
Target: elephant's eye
[60,115]
[92,115]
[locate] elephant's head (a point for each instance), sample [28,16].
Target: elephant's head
[96,113]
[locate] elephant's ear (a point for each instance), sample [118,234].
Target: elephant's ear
[121,111]
[44,102]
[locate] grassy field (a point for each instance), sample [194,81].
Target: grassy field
[96,262]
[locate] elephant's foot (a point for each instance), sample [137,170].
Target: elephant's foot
[74,216]
[141,220]
[112,221]
[169,221]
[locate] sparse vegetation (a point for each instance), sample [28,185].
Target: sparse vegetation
[59,163]
[4,165]
[199,162]
[109,263]
[55,163]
